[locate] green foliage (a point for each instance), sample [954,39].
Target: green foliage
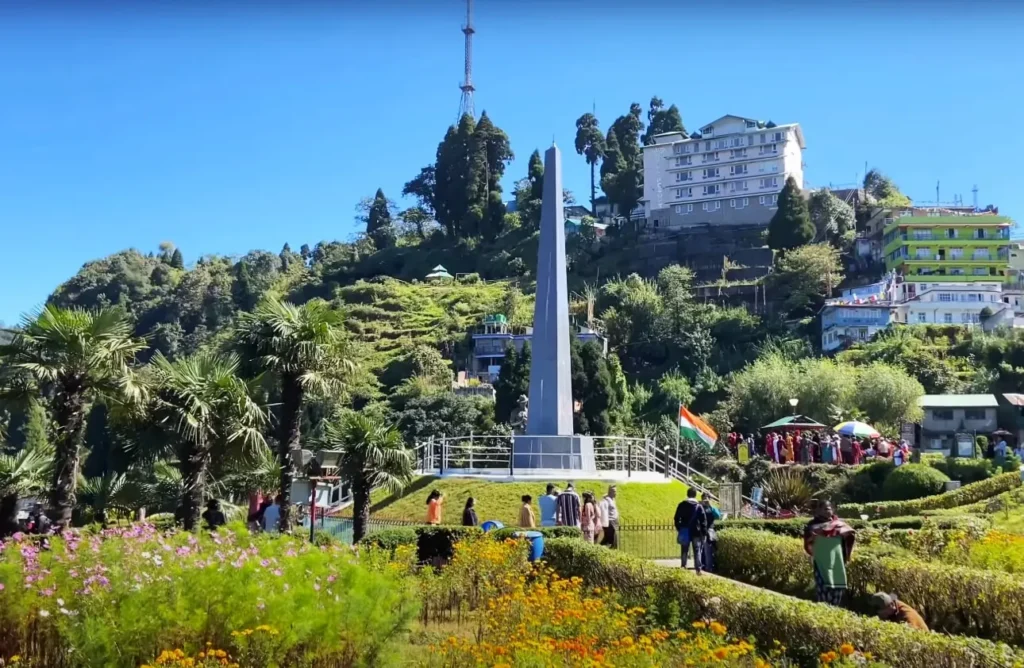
[530,192]
[592,387]
[622,167]
[446,415]
[513,382]
[881,188]
[590,144]
[913,481]
[832,217]
[787,489]
[377,218]
[809,629]
[966,470]
[661,120]
[806,276]
[791,225]
[318,602]
[963,496]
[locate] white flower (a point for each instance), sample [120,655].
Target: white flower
[60,602]
[44,613]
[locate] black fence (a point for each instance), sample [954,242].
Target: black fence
[649,541]
[340,528]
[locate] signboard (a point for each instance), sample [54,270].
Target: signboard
[909,433]
[963,445]
[730,498]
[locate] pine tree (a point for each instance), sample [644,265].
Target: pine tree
[590,144]
[177,260]
[622,168]
[661,120]
[791,225]
[378,221]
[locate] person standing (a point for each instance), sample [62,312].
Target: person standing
[526,518]
[435,507]
[789,449]
[829,542]
[568,505]
[469,513]
[549,506]
[214,516]
[272,516]
[610,519]
[589,517]
[713,515]
[857,452]
[691,528]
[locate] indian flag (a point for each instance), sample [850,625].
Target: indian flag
[693,428]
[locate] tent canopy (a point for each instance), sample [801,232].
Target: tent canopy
[795,422]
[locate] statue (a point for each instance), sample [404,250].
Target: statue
[520,415]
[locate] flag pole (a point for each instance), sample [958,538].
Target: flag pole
[678,434]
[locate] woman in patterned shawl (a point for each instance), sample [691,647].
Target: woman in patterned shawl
[829,542]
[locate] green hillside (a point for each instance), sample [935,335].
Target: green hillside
[638,502]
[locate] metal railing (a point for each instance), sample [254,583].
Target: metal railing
[341,528]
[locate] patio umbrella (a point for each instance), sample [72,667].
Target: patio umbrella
[858,429]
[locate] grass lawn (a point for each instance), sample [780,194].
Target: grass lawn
[638,502]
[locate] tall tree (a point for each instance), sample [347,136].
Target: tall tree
[373,456]
[376,215]
[882,188]
[513,382]
[661,120]
[791,225]
[622,168]
[423,188]
[832,217]
[590,144]
[177,259]
[73,357]
[205,407]
[490,151]
[805,276]
[304,347]
[530,192]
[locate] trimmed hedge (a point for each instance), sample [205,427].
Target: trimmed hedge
[806,629]
[547,532]
[1001,502]
[794,528]
[968,601]
[952,499]
[913,481]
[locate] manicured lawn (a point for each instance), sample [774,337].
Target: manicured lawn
[638,502]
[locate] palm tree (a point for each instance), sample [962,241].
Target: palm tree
[304,348]
[73,357]
[201,401]
[373,455]
[21,474]
[110,491]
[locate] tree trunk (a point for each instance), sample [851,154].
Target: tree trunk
[8,515]
[69,414]
[289,439]
[360,510]
[593,192]
[193,475]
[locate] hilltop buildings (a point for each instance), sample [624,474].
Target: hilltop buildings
[729,173]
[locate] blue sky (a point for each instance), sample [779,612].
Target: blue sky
[230,129]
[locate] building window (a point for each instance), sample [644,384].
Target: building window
[712,189]
[683,160]
[922,235]
[980,271]
[737,186]
[769,182]
[956,253]
[751,124]
[974,414]
[732,203]
[764,138]
[947,318]
[708,130]
[775,200]
[689,208]
[980,254]
[678,148]
[922,317]
[779,136]
[979,233]
[761,200]
[922,253]
[707,146]
[942,414]
[768,148]
[711,173]
[679,208]
[738,169]
[746,201]
[951,233]
[945,297]
[684,176]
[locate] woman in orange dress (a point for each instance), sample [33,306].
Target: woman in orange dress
[435,504]
[790,458]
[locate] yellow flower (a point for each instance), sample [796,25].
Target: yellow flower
[846,649]
[717,629]
[699,625]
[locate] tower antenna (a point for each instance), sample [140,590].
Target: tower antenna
[975,191]
[466,103]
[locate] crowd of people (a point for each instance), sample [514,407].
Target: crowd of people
[816,447]
[598,520]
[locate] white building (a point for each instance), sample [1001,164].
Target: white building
[731,172]
[953,304]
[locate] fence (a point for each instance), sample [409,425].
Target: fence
[341,528]
[649,541]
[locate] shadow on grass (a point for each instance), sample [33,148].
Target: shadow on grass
[416,486]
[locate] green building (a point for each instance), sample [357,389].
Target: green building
[968,248]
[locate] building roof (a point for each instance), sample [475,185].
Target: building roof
[1015,399]
[761,125]
[958,401]
[974,220]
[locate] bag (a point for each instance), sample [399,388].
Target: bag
[712,536]
[683,537]
[699,521]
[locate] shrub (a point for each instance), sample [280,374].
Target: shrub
[390,539]
[793,528]
[787,489]
[952,599]
[964,469]
[913,481]
[951,499]
[980,446]
[547,532]
[808,629]
[915,522]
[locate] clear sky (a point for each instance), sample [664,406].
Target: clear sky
[245,126]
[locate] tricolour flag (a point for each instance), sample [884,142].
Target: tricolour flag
[695,429]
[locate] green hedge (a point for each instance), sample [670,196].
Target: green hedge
[794,527]
[913,481]
[791,527]
[968,601]
[952,499]
[806,629]
[547,532]
[1001,502]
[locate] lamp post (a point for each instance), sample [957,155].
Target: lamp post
[793,403]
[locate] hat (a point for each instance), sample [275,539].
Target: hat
[883,600]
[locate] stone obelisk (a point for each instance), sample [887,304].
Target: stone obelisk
[550,412]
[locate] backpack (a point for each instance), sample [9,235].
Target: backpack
[699,521]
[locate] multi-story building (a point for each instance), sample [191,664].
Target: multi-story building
[495,335]
[731,172]
[947,247]
[858,314]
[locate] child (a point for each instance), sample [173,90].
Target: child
[526,518]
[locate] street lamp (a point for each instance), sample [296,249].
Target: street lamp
[793,403]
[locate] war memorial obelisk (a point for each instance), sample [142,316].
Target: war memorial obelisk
[549,442]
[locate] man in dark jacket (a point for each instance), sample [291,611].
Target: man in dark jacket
[691,527]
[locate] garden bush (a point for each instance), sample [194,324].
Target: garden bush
[793,528]
[952,599]
[547,532]
[913,481]
[964,469]
[437,542]
[953,499]
[118,599]
[807,629]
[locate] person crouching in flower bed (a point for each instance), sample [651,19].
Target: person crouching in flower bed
[829,542]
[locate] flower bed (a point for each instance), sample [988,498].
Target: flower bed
[120,598]
[952,499]
[970,601]
[810,629]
